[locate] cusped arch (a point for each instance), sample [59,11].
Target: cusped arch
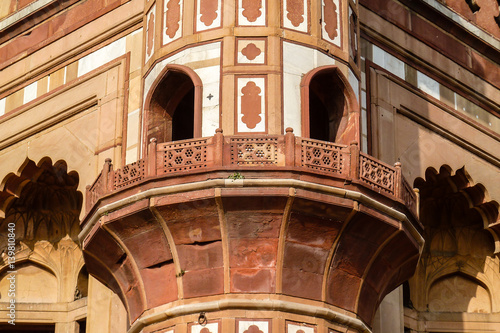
[35,282]
[326,90]
[459,291]
[472,200]
[166,94]
[42,199]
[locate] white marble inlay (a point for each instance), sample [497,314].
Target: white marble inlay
[101,56]
[261,126]
[292,328]
[259,21]
[30,92]
[208,328]
[287,23]
[253,326]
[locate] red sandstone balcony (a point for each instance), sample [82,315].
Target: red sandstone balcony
[231,217]
[343,165]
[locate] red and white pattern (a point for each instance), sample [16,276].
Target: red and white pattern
[172,20]
[296,15]
[251,51]
[251,105]
[299,328]
[252,12]
[150,33]
[208,328]
[253,326]
[330,27]
[208,14]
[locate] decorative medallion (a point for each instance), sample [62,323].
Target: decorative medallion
[251,112]
[172,17]
[251,105]
[150,33]
[331,21]
[208,11]
[250,51]
[251,9]
[296,15]
[295,11]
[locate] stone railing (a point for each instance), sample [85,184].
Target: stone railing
[256,152]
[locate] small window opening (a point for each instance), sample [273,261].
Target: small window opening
[326,106]
[171,115]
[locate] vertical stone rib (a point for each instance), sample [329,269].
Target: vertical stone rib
[282,240]
[224,239]
[171,244]
[334,248]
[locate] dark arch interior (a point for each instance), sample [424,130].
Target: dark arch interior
[171,115]
[326,106]
[82,284]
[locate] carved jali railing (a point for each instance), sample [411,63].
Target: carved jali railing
[257,152]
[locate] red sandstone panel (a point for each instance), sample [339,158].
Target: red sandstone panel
[253,253]
[203,282]
[302,284]
[253,280]
[160,284]
[341,287]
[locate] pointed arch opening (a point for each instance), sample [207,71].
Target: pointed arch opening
[173,107]
[330,110]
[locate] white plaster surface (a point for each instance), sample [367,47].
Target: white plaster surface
[261,126]
[30,92]
[354,82]
[388,62]
[297,61]
[260,21]
[101,56]
[210,77]
[428,85]
[2,106]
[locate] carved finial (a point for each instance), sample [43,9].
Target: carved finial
[289,130]
[397,164]
[108,160]
[152,140]
[218,130]
[354,143]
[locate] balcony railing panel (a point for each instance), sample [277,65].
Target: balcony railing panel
[305,155]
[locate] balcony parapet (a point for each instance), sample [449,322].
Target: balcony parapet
[257,152]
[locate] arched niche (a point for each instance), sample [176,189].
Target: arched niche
[33,284]
[458,293]
[330,110]
[82,283]
[173,106]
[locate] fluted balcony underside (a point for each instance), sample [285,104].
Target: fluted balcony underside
[275,215]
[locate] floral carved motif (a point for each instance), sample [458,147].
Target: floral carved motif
[208,10]
[173,17]
[251,105]
[251,9]
[151,31]
[330,17]
[253,329]
[295,9]
[251,51]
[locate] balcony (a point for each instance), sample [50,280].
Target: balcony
[231,217]
[342,165]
